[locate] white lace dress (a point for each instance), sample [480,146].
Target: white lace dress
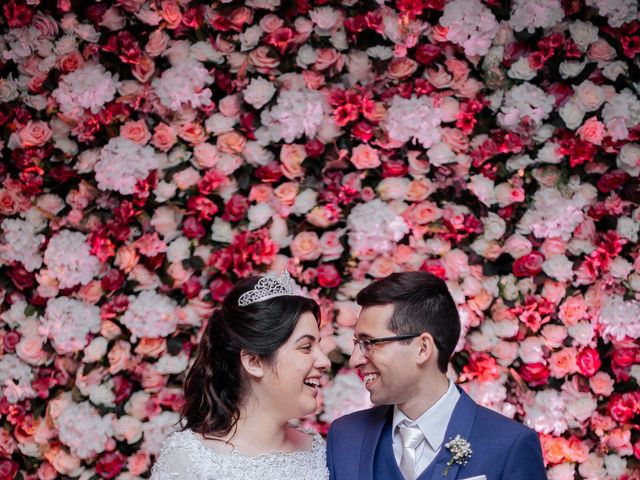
[184,456]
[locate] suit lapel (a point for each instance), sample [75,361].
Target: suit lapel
[370,442]
[461,423]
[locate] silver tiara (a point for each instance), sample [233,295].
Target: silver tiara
[268,287]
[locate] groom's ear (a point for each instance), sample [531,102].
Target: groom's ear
[426,349]
[253,364]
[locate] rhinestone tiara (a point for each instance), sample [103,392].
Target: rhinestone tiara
[267,287]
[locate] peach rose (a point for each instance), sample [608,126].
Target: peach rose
[136,131]
[157,44]
[119,356]
[553,246]
[287,192]
[164,137]
[321,217]
[46,471]
[363,156]
[592,131]
[70,62]
[572,310]
[241,16]
[306,246]
[91,292]
[377,113]
[439,77]
[326,58]
[170,13]
[270,23]
[424,212]
[29,349]
[382,267]
[128,428]
[313,80]
[589,96]
[291,157]
[192,132]
[231,142]
[563,363]
[261,193]
[144,68]
[458,68]
[152,381]
[65,463]
[601,51]
[139,462]
[419,189]
[126,258]
[151,347]
[35,134]
[205,155]
[109,329]
[401,68]
[457,140]
[601,384]
[264,59]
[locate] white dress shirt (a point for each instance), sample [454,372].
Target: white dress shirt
[433,424]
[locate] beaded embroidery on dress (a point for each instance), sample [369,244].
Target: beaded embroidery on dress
[184,456]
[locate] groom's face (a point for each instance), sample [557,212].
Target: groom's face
[388,370]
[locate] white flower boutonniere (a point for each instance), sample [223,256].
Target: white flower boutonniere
[460,452]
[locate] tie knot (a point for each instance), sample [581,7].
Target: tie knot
[410,434]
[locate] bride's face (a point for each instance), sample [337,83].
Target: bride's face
[291,384]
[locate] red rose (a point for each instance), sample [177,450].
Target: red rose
[535,374]
[110,464]
[271,172]
[8,469]
[528,265]
[625,357]
[619,408]
[363,131]
[427,53]
[314,148]
[328,276]
[113,280]
[394,168]
[20,277]
[192,228]
[588,361]
[613,180]
[236,208]
[17,15]
[201,206]
[10,341]
[191,287]
[219,288]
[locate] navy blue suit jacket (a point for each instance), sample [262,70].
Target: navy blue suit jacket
[502,448]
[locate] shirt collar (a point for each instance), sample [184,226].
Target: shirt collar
[433,423]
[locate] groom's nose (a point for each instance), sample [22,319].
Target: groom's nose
[357,359]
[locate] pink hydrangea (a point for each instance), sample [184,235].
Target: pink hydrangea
[547,414]
[157,429]
[618,12]
[184,84]
[15,379]
[67,322]
[619,319]
[21,244]
[541,14]
[296,113]
[522,101]
[470,24]
[69,260]
[89,87]
[84,430]
[413,119]
[151,314]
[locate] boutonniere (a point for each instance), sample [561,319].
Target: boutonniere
[460,452]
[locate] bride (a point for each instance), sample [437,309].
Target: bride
[258,366]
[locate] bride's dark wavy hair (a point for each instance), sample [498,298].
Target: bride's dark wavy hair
[214,387]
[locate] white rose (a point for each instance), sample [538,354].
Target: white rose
[178,250]
[583,33]
[172,364]
[519,161]
[520,70]
[558,267]
[259,92]
[259,214]
[102,395]
[304,202]
[571,69]
[620,268]
[483,188]
[615,465]
[256,155]
[549,153]
[164,191]
[629,159]
[628,228]
[359,65]
[440,153]
[582,333]
[218,123]
[221,231]
[572,114]
[614,69]
[494,226]
[95,350]
[306,56]
[250,38]
[589,96]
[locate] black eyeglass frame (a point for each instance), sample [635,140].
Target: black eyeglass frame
[365,344]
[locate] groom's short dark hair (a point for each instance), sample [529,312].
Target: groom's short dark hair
[421,303]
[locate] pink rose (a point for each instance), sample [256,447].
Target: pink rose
[139,462]
[35,134]
[119,356]
[136,131]
[306,246]
[229,106]
[291,157]
[287,192]
[420,189]
[601,384]
[270,23]
[363,156]
[554,291]
[70,62]
[347,313]
[601,51]
[29,349]
[382,267]
[164,137]
[192,132]
[331,246]
[401,68]
[592,131]
[326,58]
[157,44]
[456,264]
[231,142]
[423,213]
[144,68]
[261,193]
[205,155]
[170,12]
[264,59]
[572,310]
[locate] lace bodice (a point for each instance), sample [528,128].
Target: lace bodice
[184,456]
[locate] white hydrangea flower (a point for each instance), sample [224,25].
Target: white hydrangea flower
[551,215]
[21,244]
[470,24]
[415,119]
[122,163]
[151,314]
[157,429]
[90,87]
[15,378]
[522,101]
[547,414]
[621,113]
[296,113]
[84,430]
[69,260]
[67,322]
[346,394]
[374,229]
[184,84]
[619,319]
[618,12]
[529,16]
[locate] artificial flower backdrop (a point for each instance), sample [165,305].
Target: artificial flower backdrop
[154,152]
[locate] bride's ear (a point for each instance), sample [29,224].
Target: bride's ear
[253,364]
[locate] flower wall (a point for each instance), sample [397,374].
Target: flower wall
[154,152]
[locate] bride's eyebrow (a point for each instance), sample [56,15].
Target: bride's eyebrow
[310,337]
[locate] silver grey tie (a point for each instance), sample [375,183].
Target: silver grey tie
[411,436]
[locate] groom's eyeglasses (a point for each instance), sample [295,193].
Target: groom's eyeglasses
[366,344]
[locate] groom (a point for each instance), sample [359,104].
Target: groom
[424,427]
